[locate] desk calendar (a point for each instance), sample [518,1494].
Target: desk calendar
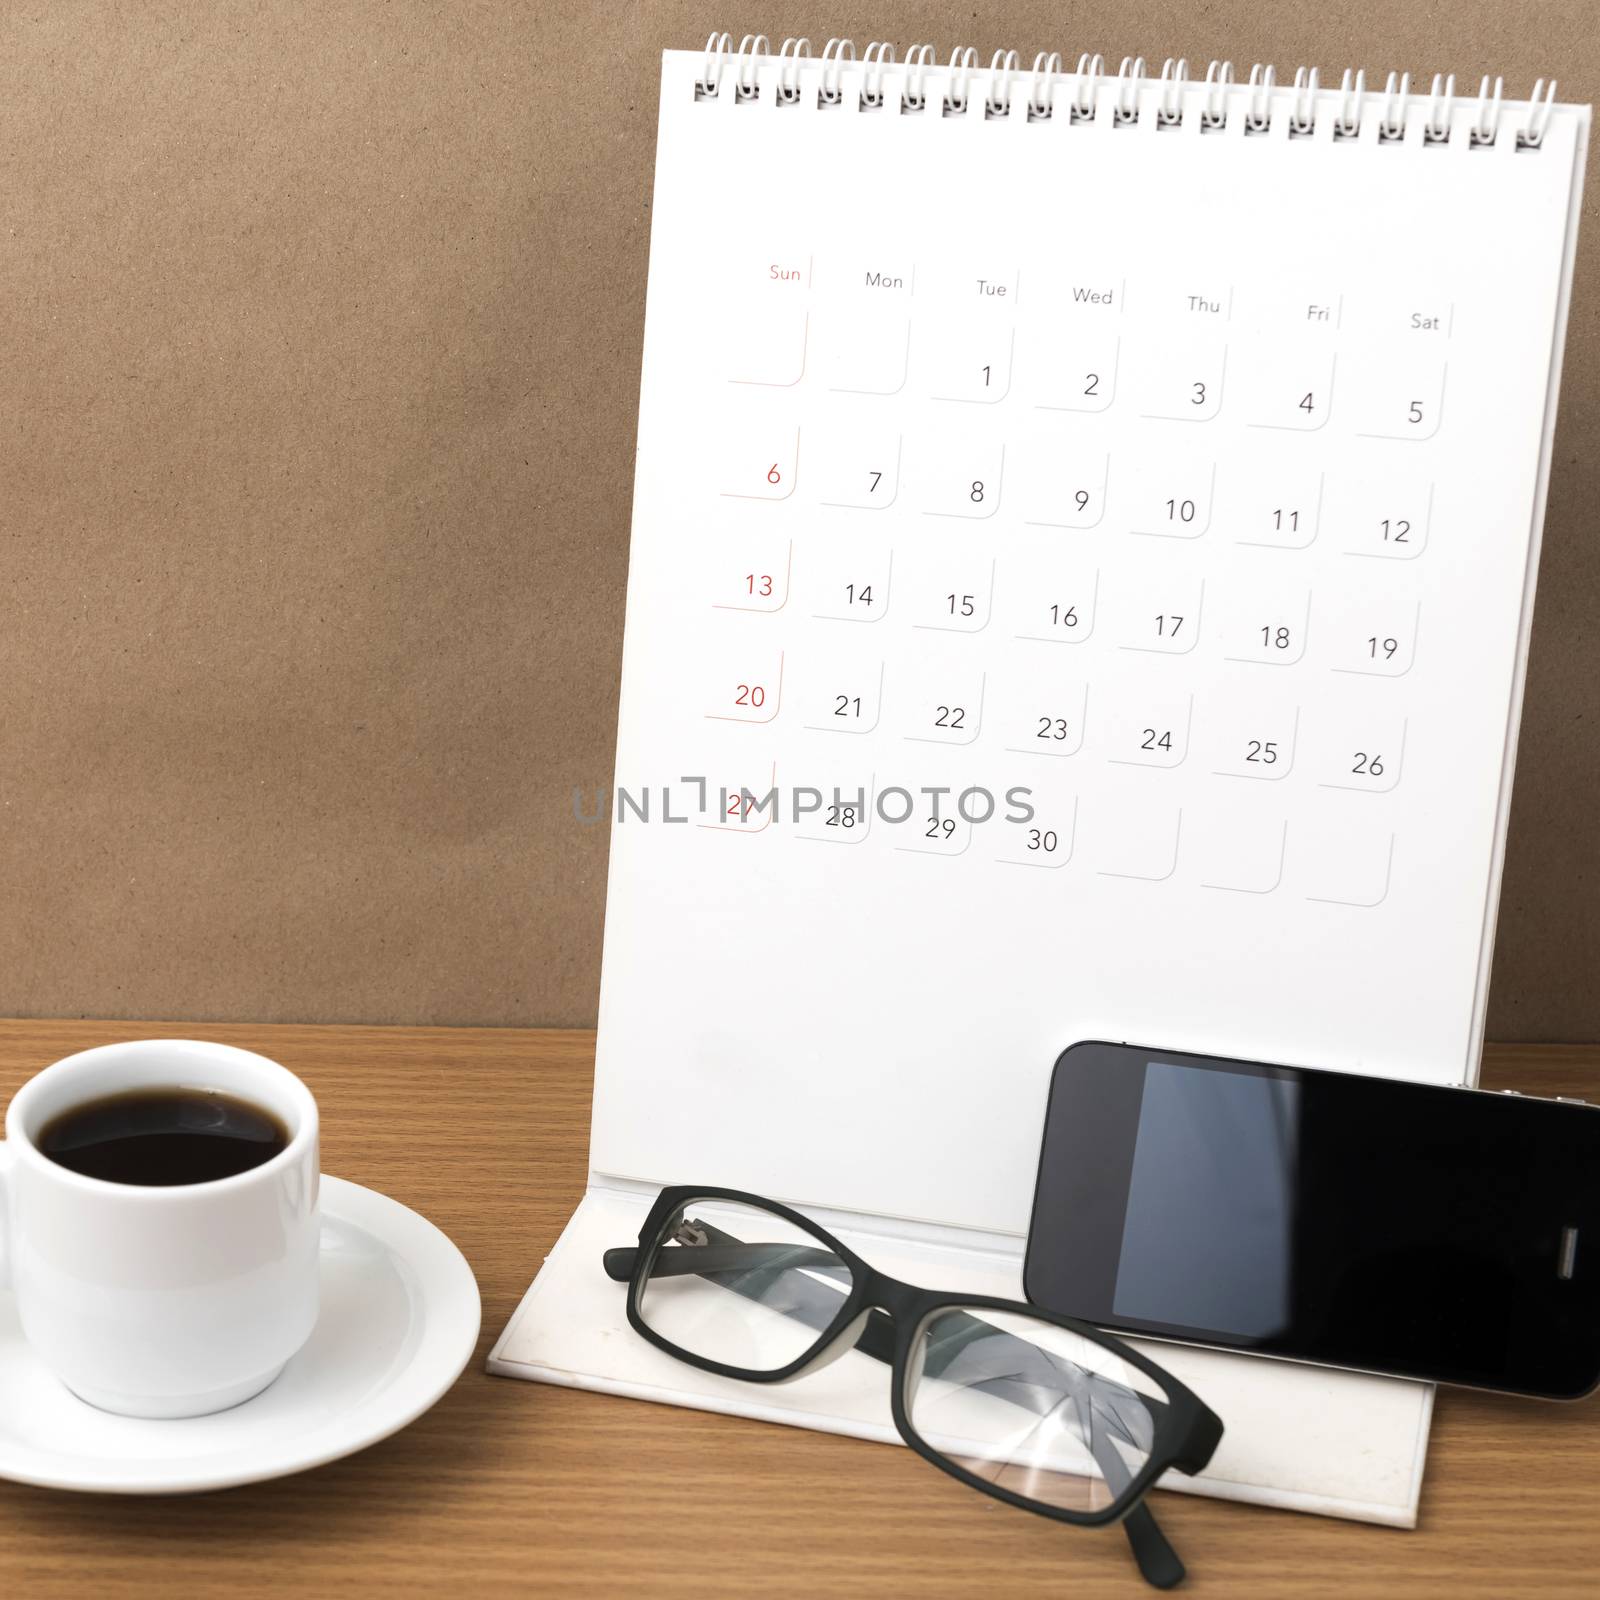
[1084,538]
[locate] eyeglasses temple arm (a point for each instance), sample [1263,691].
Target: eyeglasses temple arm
[1159,1565]
[714,1259]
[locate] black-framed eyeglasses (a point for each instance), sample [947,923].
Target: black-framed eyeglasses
[1038,1410]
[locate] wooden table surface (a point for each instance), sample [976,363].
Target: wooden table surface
[517,1488]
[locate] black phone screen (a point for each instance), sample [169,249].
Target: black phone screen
[1432,1232]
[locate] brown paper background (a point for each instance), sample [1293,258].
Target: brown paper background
[321,330]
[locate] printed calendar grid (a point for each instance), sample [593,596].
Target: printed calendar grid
[857,337]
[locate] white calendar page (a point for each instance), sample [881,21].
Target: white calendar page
[1189,481]
[1184,486]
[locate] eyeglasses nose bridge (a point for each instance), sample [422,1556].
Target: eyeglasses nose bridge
[842,1341]
[914,1365]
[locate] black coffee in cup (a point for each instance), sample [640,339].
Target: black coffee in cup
[162,1137]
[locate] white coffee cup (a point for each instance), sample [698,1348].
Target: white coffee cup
[162,1301]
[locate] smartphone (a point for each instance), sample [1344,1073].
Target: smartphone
[1425,1232]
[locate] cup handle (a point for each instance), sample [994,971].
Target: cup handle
[5,1217]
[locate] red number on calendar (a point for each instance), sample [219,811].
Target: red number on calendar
[750,694]
[773,475]
[758,582]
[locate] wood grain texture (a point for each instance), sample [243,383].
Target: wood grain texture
[515,1488]
[321,327]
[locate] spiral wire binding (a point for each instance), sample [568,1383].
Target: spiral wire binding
[1436,130]
[746,85]
[1004,67]
[914,96]
[1303,113]
[963,60]
[707,85]
[1219,79]
[1173,77]
[1486,127]
[794,51]
[878,59]
[1543,99]
[1219,90]
[1091,69]
[1129,76]
[1041,90]
[833,60]
[1352,95]
[1396,98]
[1258,119]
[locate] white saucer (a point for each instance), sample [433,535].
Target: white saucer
[399,1320]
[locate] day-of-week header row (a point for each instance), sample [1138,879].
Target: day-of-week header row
[1003,289]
